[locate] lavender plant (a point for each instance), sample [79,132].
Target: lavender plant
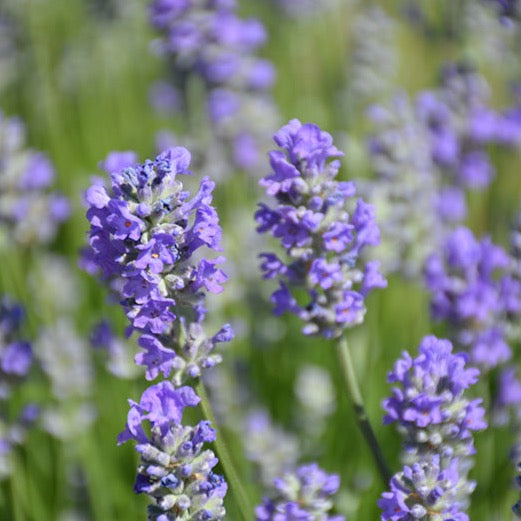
[301,494]
[467,291]
[144,232]
[426,158]
[437,422]
[208,40]
[324,233]
[322,230]
[429,406]
[404,187]
[30,213]
[461,124]
[16,358]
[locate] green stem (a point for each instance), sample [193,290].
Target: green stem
[241,497]
[353,390]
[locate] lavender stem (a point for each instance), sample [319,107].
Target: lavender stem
[239,492]
[353,391]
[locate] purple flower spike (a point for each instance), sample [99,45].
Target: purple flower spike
[30,212]
[303,494]
[429,399]
[467,284]
[207,39]
[174,469]
[322,229]
[425,490]
[144,232]
[436,419]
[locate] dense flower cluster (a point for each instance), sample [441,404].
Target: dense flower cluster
[144,232]
[303,494]
[174,469]
[29,212]
[207,38]
[422,492]
[16,359]
[467,292]
[461,124]
[434,416]
[322,230]
[425,159]
[429,406]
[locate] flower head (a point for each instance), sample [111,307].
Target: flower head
[29,210]
[322,229]
[174,469]
[207,39]
[145,230]
[467,291]
[304,494]
[428,403]
[424,491]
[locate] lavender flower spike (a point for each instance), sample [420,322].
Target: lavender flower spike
[431,411]
[429,405]
[466,281]
[304,494]
[322,229]
[16,358]
[29,211]
[174,469]
[144,232]
[424,491]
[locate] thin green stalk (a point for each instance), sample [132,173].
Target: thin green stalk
[353,390]
[241,497]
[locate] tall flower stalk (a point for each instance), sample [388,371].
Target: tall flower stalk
[437,421]
[324,232]
[144,232]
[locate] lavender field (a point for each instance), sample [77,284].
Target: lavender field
[260,260]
